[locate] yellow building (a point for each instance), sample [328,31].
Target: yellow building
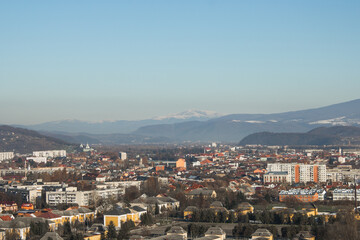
[121,215]
[189,211]
[80,214]
[21,225]
[245,208]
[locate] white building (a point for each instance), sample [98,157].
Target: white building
[37,159]
[6,155]
[342,175]
[123,155]
[300,172]
[277,177]
[345,194]
[82,198]
[50,153]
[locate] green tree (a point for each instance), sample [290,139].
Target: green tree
[76,236]
[125,230]
[231,218]
[195,230]
[157,210]
[67,228]
[111,234]
[146,219]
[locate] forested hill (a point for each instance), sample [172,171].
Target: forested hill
[319,136]
[22,140]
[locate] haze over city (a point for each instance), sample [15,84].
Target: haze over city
[94,61]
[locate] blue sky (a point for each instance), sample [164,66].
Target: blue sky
[109,60]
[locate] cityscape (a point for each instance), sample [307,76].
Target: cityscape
[179,120]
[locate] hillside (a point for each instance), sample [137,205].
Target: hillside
[230,128]
[317,136]
[22,140]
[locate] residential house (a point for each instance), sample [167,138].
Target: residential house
[189,211]
[245,208]
[51,235]
[206,193]
[263,234]
[121,215]
[22,225]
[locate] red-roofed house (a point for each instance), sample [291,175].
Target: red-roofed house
[50,216]
[7,217]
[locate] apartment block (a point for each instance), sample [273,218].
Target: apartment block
[300,172]
[6,155]
[123,155]
[82,198]
[302,195]
[345,194]
[50,153]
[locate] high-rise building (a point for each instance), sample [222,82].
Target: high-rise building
[123,155]
[298,172]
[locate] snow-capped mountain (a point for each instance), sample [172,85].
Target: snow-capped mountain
[196,125]
[190,114]
[119,126]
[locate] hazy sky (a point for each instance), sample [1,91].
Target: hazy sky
[108,60]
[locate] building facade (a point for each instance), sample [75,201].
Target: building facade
[345,194]
[300,172]
[6,155]
[50,153]
[302,195]
[122,155]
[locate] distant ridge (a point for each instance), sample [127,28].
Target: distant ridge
[118,126]
[231,128]
[202,126]
[319,136]
[22,140]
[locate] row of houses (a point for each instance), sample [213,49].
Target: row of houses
[54,218]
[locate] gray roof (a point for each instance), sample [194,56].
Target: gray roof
[22,222]
[202,191]
[84,210]
[138,209]
[52,235]
[216,204]
[262,232]
[191,208]
[176,230]
[118,211]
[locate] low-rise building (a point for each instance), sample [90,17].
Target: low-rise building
[302,195]
[263,234]
[345,194]
[120,215]
[50,153]
[6,156]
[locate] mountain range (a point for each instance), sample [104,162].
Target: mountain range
[119,126]
[203,126]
